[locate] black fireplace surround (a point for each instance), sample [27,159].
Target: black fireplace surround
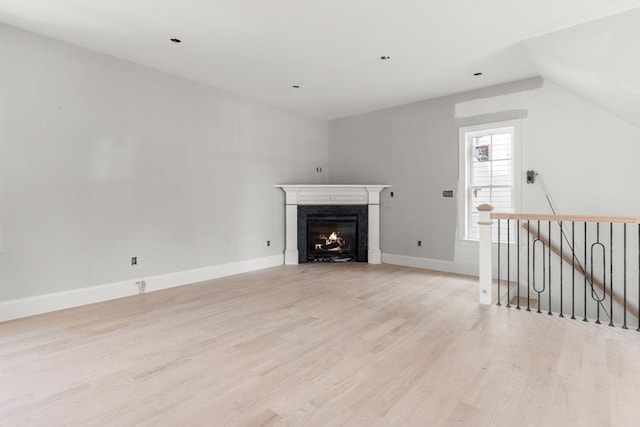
[351,223]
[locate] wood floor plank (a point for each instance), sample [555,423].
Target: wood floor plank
[316,345]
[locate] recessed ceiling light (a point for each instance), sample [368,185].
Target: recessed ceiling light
[176,40]
[385,57]
[295,87]
[477,74]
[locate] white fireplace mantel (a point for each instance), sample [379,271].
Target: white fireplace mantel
[325,194]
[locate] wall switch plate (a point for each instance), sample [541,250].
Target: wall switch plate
[447,193]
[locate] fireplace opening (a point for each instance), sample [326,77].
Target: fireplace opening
[332,233]
[332,238]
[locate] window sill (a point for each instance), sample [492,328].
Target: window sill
[469,243]
[475,243]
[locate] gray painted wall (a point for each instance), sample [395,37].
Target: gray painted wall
[410,148]
[588,159]
[102,159]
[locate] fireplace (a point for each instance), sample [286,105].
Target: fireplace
[332,238]
[332,203]
[332,233]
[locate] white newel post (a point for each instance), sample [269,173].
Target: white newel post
[484,258]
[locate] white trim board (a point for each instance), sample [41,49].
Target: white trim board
[24,307]
[431,264]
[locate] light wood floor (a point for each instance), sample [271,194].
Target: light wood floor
[316,345]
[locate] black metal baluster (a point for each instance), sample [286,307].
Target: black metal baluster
[573,270]
[528,267]
[624,276]
[594,294]
[508,263]
[549,308]
[597,241]
[544,277]
[561,239]
[518,268]
[610,274]
[499,244]
[584,273]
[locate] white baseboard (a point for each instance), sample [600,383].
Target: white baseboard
[24,307]
[431,264]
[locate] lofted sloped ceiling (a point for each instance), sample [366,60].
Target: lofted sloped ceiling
[598,60]
[332,49]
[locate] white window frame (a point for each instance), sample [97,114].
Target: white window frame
[464,169]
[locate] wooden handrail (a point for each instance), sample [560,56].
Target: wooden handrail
[575,218]
[631,309]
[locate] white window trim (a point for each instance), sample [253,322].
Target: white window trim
[463,167]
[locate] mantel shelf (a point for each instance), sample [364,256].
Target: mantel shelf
[331,185]
[333,194]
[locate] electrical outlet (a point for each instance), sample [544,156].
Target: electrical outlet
[319,169]
[447,193]
[142,286]
[268,242]
[134,260]
[419,242]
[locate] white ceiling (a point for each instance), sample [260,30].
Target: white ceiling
[332,49]
[599,60]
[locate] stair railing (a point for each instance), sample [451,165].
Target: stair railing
[577,266]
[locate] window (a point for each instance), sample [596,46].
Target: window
[488,168]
